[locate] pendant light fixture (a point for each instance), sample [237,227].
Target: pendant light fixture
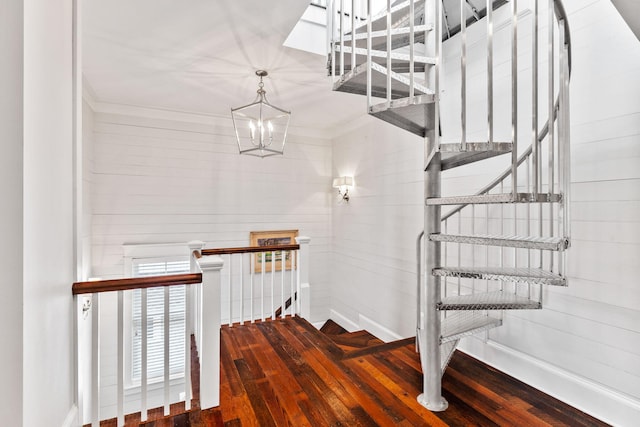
[261,128]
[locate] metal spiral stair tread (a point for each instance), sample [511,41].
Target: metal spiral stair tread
[536,276]
[496,198]
[499,300]
[355,82]
[522,242]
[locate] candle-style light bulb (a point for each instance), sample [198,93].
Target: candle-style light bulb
[252,129]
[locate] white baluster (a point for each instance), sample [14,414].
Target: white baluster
[230,294]
[473,248]
[341,37]
[293,263]
[412,18]
[273,275]
[188,291]
[368,54]
[283,269]
[145,343]
[166,342]
[463,75]
[241,289]
[120,361]
[353,34]
[253,258]
[262,271]
[489,8]
[388,52]
[514,97]
[95,359]
[537,163]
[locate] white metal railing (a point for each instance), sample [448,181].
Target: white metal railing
[526,172]
[540,173]
[99,302]
[364,32]
[344,17]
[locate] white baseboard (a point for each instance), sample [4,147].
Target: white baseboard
[378,330]
[365,323]
[588,396]
[318,325]
[72,418]
[343,321]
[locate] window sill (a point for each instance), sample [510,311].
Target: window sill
[154,384]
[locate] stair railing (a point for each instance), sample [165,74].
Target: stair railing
[344,18]
[469,219]
[89,298]
[558,144]
[264,282]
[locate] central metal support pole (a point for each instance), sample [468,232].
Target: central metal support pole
[430,332]
[430,352]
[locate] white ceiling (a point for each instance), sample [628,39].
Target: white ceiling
[200,56]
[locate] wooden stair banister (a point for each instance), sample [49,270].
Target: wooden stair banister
[206,271]
[100,286]
[249,249]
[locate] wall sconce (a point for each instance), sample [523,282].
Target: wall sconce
[343,184]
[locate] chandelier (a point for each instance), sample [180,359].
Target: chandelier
[261,128]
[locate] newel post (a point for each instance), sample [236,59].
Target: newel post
[210,351]
[304,288]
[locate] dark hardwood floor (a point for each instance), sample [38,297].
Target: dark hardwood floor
[286,373]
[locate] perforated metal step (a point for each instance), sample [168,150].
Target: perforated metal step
[454,155]
[525,275]
[524,242]
[407,113]
[495,198]
[489,301]
[356,82]
[465,323]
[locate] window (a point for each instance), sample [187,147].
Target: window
[142,267]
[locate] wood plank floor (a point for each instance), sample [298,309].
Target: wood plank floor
[286,373]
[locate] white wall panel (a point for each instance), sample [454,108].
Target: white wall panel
[158,180]
[11,215]
[49,268]
[374,234]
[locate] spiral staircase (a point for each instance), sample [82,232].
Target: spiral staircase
[496,249]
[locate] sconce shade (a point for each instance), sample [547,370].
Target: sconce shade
[343,181]
[260,127]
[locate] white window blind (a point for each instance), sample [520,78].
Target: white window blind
[143,267]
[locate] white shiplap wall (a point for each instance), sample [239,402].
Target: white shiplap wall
[584,347]
[169,181]
[374,234]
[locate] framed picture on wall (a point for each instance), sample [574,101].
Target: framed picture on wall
[272,238]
